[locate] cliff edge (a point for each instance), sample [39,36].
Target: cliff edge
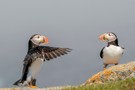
[114,73]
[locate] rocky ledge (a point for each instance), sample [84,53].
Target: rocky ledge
[114,73]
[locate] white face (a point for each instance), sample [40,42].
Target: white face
[110,37]
[37,39]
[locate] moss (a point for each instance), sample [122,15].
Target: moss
[128,84]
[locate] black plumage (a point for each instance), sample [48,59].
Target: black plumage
[35,51]
[112,53]
[45,52]
[101,52]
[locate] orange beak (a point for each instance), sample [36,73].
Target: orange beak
[103,37]
[45,40]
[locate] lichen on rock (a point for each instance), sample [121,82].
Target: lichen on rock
[114,73]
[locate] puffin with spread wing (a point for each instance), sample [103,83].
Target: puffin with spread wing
[36,55]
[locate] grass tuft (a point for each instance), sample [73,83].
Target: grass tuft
[128,84]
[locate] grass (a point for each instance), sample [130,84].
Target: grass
[128,84]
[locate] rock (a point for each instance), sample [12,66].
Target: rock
[114,73]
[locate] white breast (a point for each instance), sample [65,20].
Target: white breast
[36,66]
[34,69]
[112,54]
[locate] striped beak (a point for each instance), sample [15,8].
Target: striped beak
[103,37]
[44,40]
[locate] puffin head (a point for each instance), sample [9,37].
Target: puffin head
[108,37]
[38,39]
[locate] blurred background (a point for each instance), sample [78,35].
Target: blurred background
[75,24]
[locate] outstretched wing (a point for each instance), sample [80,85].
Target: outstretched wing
[53,52]
[101,53]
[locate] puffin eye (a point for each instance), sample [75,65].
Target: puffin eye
[109,34]
[38,36]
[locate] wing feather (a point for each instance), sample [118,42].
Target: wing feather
[54,52]
[48,53]
[46,56]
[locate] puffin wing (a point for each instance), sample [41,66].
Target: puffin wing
[31,56]
[53,52]
[123,49]
[26,65]
[101,52]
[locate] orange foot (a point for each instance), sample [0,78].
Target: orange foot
[33,86]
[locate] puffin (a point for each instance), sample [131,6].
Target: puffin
[112,53]
[37,53]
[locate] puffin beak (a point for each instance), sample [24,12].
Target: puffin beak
[45,40]
[103,37]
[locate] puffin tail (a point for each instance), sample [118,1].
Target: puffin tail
[19,82]
[22,82]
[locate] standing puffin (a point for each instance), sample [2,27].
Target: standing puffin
[112,53]
[36,55]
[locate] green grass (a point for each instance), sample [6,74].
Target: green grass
[128,84]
